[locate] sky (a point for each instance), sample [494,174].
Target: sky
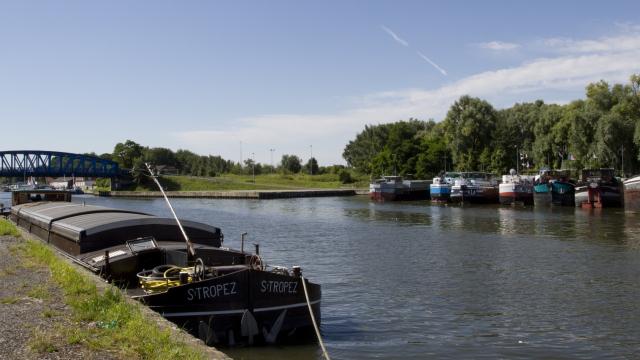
[240,78]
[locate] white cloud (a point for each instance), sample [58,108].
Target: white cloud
[498,46]
[613,59]
[624,42]
[395,37]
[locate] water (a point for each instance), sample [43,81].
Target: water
[416,281]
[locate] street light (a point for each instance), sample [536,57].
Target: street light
[271,151]
[253,167]
[311,160]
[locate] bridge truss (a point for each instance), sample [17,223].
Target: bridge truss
[18,163]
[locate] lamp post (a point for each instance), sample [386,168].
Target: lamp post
[253,167]
[311,160]
[271,151]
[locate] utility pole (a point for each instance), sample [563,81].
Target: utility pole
[271,151]
[517,160]
[311,160]
[253,167]
[240,153]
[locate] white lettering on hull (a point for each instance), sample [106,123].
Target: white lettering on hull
[211,292]
[279,287]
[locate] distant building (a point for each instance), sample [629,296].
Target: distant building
[63,183]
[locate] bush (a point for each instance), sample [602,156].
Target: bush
[345,177]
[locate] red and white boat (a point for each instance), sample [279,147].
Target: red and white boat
[516,188]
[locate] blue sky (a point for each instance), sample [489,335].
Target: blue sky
[207,76]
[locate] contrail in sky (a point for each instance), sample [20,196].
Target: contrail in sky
[432,63]
[394,36]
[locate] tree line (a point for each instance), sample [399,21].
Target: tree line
[132,155]
[602,130]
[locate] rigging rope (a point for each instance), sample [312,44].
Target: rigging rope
[313,319]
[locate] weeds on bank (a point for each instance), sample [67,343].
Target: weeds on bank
[7,228]
[113,322]
[42,343]
[9,300]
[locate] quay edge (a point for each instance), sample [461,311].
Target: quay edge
[237,194]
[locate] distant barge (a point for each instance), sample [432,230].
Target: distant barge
[393,188]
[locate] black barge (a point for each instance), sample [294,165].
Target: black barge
[221,295]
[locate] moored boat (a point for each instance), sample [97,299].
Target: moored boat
[475,187]
[393,188]
[632,194]
[553,187]
[599,188]
[440,188]
[516,188]
[221,295]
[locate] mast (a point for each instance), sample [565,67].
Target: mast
[190,249]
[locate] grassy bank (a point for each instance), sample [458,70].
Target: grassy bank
[246,182]
[7,228]
[107,320]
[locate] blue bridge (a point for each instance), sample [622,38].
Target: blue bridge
[18,163]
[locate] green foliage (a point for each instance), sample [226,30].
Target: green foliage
[388,148]
[468,130]
[7,228]
[291,164]
[311,167]
[345,177]
[103,184]
[602,130]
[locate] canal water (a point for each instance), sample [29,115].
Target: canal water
[416,281]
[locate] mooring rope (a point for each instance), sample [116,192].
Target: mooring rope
[313,319]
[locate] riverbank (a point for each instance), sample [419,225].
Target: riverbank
[54,309]
[238,194]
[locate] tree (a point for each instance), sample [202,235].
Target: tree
[311,167]
[291,163]
[160,156]
[127,153]
[387,148]
[468,128]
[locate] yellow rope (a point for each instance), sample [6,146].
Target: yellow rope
[152,284]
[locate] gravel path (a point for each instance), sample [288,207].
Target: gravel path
[32,312]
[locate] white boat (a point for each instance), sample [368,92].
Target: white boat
[516,188]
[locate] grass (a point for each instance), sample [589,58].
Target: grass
[42,342]
[9,300]
[39,292]
[49,313]
[246,182]
[7,228]
[126,330]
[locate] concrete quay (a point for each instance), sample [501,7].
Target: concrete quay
[236,194]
